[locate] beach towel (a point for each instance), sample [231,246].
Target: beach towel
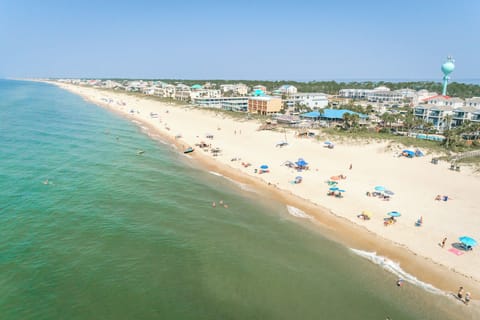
[456,251]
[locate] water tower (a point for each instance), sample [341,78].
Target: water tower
[447,68]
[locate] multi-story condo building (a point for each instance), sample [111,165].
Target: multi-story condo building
[383,94]
[264,105]
[437,115]
[238,104]
[360,94]
[440,100]
[182,92]
[473,102]
[311,100]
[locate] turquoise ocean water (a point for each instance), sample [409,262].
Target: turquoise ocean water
[116,235]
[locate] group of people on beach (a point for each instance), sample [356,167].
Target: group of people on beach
[221,203]
[464,297]
[444,198]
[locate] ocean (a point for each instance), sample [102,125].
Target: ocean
[91,229]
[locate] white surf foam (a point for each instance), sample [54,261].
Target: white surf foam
[394,267]
[242,186]
[299,213]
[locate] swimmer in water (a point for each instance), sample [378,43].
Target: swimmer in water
[225,206]
[220,202]
[45,182]
[399,282]
[214,204]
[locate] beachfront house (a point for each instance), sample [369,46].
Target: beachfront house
[204,93]
[259,87]
[237,89]
[286,89]
[264,105]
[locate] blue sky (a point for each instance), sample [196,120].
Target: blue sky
[290,40]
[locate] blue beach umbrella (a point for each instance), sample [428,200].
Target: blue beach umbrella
[264,167]
[341,190]
[390,193]
[468,241]
[334,189]
[394,214]
[327,142]
[379,188]
[301,163]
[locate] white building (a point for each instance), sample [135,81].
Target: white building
[239,88]
[238,104]
[440,100]
[182,92]
[473,102]
[354,93]
[204,93]
[383,94]
[437,115]
[311,100]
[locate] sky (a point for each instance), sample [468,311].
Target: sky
[263,40]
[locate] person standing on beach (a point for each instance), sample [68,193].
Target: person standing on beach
[467,298]
[350,168]
[443,242]
[460,293]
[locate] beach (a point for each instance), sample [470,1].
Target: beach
[415,183]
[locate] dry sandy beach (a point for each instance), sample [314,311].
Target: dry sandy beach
[415,183]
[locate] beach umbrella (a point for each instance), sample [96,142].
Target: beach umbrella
[333,189]
[301,163]
[335,178]
[298,177]
[327,142]
[367,213]
[379,188]
[341,190]
[264,167]
[394,214]
[468,241]
[390,193]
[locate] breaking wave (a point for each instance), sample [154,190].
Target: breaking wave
[299,213]
[394,267]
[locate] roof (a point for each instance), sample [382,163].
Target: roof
[467,109]
[197,86]
[332,114]
[438,96]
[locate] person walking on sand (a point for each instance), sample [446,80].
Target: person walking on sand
[460,293]
[443,242]
[350,168]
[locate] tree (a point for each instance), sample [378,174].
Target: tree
[350,120]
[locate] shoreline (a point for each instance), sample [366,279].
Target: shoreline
[353,234]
